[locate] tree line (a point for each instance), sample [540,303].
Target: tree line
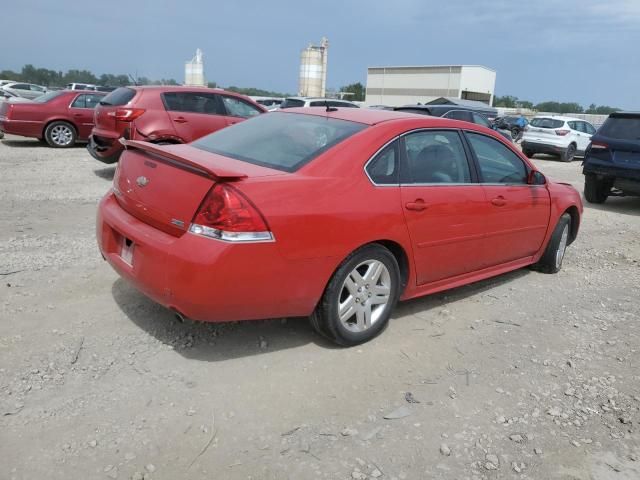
[509,101]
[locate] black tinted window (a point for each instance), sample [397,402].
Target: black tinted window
[458,115]
[207,103]
[20,86]
[435,157]
[625,128]
[120,96]
[546,123]
[292,102]
[498,164]
[282,141]
[383,168]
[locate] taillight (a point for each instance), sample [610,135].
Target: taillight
[599,146]
[127,114]
[562,133]
[226,214]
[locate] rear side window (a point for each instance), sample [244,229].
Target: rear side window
[292,102]
[80,102]
[207,103]
[383,168]
[497,163]
[20,86]
[239,108]
[624,128]
[120,96]
[546,123]
[480,120]
[458,115]
[435,157]
[282,141]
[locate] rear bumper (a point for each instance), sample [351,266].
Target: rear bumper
[21,127]
[206,279]
[106,150]
[537,147]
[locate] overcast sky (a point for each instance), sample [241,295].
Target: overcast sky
[569,50]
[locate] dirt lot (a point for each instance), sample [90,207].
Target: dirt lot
[523,376]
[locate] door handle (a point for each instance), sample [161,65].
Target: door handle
[77,114]
[499,201]
[180,120]
[416,206]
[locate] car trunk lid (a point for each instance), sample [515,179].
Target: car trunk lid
[164,185]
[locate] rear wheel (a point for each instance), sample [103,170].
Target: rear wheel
[60,134]
[596,190]
[569,153]
[528,153]
[551,260]
[358,301]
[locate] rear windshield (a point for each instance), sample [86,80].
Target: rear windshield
[546,123]
[120,96]
[282,141]
[292,102]
[48,96]
[625,128]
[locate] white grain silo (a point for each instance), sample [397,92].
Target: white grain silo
[313,70]
[194,71]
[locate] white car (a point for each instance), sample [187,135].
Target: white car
[567,137]
[291,102]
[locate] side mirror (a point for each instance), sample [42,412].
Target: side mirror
[536,178]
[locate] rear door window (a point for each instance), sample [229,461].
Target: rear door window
[239,108]
[435,157]
[207,103]
[498,164]
[79,102]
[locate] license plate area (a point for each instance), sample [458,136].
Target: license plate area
[126,251]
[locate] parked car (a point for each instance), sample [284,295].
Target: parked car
[292,102]
[567,137]
[26,90]
[515,124]
[80,86]
[612,160]
[456,112]
[164,115]
[60,118]
[6,96]
[334,214]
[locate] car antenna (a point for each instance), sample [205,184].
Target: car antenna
[330,109]
[134,80]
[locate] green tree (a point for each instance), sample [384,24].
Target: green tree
[357,89]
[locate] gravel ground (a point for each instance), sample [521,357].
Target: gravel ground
[522,376]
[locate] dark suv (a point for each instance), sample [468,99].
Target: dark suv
[612,160]
[478,116]
[163,115]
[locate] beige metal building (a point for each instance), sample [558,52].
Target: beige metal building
[313,70]
[396,86]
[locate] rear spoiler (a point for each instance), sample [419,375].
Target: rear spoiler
[181,161]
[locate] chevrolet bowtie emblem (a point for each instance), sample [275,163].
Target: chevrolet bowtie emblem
[142,181]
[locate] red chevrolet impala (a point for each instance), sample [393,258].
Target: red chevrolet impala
[60,118]
[330,213]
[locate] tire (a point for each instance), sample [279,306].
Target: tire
[551,260]
[60,134]
[596,190]
[569,154]
[528,153]
[367,285]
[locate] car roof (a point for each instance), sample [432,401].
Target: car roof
[308,99]
[561,117]
[359,115]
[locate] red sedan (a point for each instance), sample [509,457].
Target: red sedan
[60,118]
[334,214]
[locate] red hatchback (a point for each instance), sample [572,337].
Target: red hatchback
[331,214]
[164,115]
[60,118]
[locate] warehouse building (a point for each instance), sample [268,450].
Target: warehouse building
[396,86]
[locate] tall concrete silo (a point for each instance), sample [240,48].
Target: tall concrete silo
[194,71]
[313,70]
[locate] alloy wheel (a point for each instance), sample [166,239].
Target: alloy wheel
[364,296]
[61,135]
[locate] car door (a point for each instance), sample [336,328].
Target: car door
[442,204]
[81,110]
[586,132]
[194,114]
[238,110]
[516,216]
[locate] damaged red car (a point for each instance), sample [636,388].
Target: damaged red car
[332,214]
